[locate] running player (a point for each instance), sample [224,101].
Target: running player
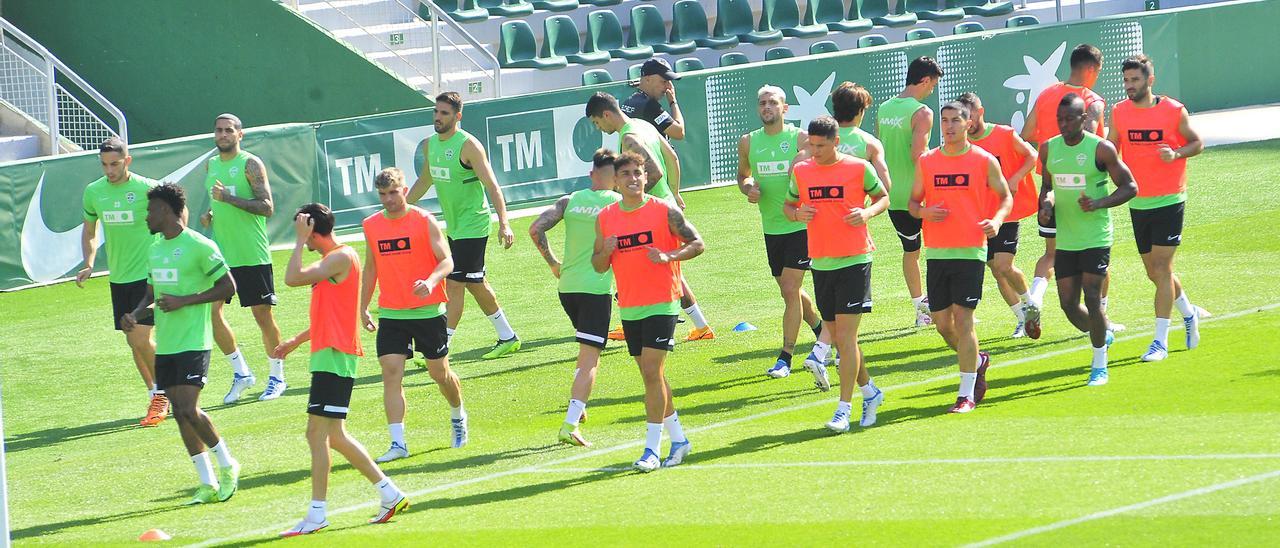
[240,202]
[335,353]
[662,168]
[1154,137]
[644,239]
[186,273]
[1017,160]
[961,196]
[828,192]
[904,124]
[585,294]
[455,162]
[407,256]
[117,200]
[1076,165]
[764,173]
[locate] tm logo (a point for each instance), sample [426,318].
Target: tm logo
[1038,77]
[366,169]
[528,147]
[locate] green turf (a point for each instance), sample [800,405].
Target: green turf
[763,471]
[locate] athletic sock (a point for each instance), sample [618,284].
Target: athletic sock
[695,314]
[674,430]
[918,302]
[821,350]
[1026,297]
[869,390]
[1038,287]
[1018,313]
[277,368]
[1162,331]
[315,512]
[156,391]
[653,436]
[817,329]
[204,469]
[846,407]
[387,490]
[505,333]
[397,433]
[238,364]
[458,412]
[785,356]
[574,415]
[1184,305]
[1100,357]
[967,380]
[1103,303]
[448,332]
[223,454]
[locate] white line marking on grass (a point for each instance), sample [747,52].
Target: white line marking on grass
[909,462]
[1137,506]
[713,426]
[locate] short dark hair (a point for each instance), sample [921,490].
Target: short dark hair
[114,144]
[321,218]
[1086,55]
[629,158]
[452,99]
[970,100]
[601,102]
[171,194]
[849,100]
[957,106]
[235,120]
[603,157]
[921,68]
[1138,62]
[824,126]
[1070,98]
[388,177]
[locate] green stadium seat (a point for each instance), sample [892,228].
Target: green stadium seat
[734,18]
[968,28]
[872,40]
[780,52]
[560,39]
[784,15]
[920,34]
[689,64]
[1021,21]
[649,29]
[927,10]
[517,48]
[596,76]
[633,71]
[689,22]
[600,3]
[604,33]
[555,5]
[878,12]
[831,14]
[507,8]
[734,58]
[462,11]
[825,46]
[983,8]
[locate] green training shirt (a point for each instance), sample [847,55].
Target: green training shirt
[652,141]
[242,236]
[770,157]
[1075,171]
[122,208]
[894,121]
[576,273]
[462,197]
[188,264]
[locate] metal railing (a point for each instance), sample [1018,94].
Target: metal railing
[35,82]
[454,80]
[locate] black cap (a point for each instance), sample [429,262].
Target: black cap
[658,67]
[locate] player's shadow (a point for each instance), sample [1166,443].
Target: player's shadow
[755,444]
[50,528]
[681,391]
[522,491]
[772,399]
[408,466]
[50,437]
[475,353]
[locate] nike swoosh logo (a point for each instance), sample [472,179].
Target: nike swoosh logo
[972,299]
[661,340]
[191,377]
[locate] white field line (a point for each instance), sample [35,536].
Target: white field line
[1137,506]
[912,462]
[713,426]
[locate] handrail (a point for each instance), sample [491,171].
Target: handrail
[438,14]
[376,38]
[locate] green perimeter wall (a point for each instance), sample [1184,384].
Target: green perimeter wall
[540,145]
[172,65]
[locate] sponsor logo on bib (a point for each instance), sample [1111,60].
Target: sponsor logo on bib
[394,246]
[122,217]
[1146,135]
[826,193]
[165,275]
[779,167]
[638,239]
[951,180]
[439,172]
[1070,181]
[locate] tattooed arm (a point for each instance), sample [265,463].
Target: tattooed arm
[652,170]
[538,231]
[261,203]
[684,230]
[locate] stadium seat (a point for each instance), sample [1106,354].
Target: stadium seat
[560,39]
[968,27]
[734,58]
[878,12]
[872,40]
[920,34]
[555,5]
[600,3]
[780,52]
[927,10]
[649,29]
[825,46]
[596,76]
[689,22]
[689,64]
[633,71]
[982,8]
[784,15]
[517,48]
[507,8]
[831,14]
[462,11]
[1021,21]
[734,18]
[604,33]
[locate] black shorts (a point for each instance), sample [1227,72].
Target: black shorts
[1006,240]
[330,395]
[843,291]
[589,314]
[427,336]
[468,259]
[653,332]
[954,281]
[1159,226]
[908,228]
[254,284]
[125,298]
[1074,263]
[190,367]
[787,251]
[1050,230]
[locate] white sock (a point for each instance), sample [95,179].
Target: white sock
[1018,313]
[448,331]
[1100,357]
[1103,302]
[1185,306]
[397,433]
[500,324]
[821,350]
[674,430]
[1038,287]
[156,391]
[1026,297]
[277,368]
[576,407]
[918,302]
[238,364]
[653,436]
[695,314]
[387,490]
[204,469]
[223,454]
[315,512]
[1162,331]
[844,406]
[967,380]
[458,412]
[869,391]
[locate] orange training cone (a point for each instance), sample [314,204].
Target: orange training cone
[154,535]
